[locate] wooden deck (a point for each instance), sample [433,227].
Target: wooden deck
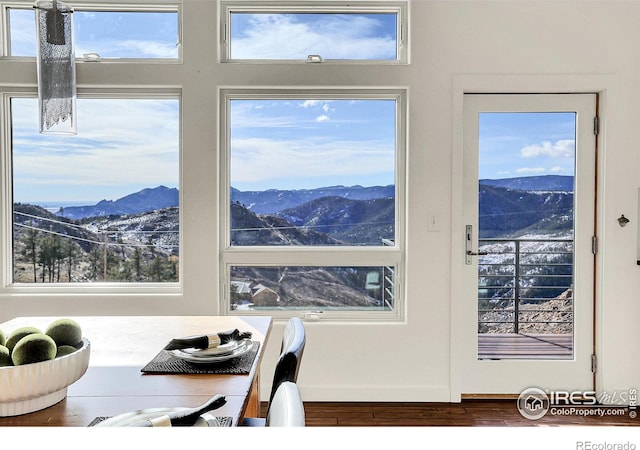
[525,346]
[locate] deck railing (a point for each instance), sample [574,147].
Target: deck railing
[525,285]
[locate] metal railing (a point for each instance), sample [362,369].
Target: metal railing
[525,285]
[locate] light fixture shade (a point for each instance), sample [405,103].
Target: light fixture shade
[56,67]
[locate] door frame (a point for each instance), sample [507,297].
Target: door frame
[514,84]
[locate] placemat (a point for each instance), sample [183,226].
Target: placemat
[222,421]
[165,363]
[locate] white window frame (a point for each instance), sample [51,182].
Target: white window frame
[324,256]
[7,286]
[400,8]
[141,6]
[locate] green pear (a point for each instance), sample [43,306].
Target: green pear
[65,332]
[18,334]
[5,357]
[65,350]
[33,348]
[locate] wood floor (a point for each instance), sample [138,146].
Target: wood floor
[495,413]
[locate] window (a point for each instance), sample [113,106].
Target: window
[371,31]
[99,211]
[102,206]
[125,34]
[313,199]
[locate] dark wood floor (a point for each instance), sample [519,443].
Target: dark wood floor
[501,413]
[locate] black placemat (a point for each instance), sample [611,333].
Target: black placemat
[222,421]
[165,363]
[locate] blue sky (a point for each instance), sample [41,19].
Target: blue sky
[308,143]
[110,34]
[114,153]
[295,36]
[282,144]
[124,145]
[526,144]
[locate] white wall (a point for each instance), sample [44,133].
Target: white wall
[457,46]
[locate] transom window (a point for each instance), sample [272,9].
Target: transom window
[314,177]
[105,34]
[370,31]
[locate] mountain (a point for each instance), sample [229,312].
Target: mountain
[358,222]
[145,200]
[249,228]
[507,212]
[274,200]
[561,183]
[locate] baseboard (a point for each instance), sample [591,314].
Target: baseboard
[341,393]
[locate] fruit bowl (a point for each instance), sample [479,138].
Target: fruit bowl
[32,387]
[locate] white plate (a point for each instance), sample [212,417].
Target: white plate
[131,418]
[215,351]
[246,346]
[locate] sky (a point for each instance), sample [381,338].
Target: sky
[526,144]
[114,153]
[309,143]
[123,146]
[126,145]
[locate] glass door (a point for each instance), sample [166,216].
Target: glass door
[529,198]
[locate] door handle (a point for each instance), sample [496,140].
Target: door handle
[468,246]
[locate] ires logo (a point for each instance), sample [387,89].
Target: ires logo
[575,398]
[534,403]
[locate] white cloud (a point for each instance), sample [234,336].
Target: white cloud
[531,170]
[310,103]
[564,148]
[344,36]
[258,159]
[322,118]
[558,169]
[119,143]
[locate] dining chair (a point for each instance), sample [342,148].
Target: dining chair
[286,407]
[287,366]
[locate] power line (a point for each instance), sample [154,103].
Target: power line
[91,241]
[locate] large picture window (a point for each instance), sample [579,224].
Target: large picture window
[313,176]
[102,206]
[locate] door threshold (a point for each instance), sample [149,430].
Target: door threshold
[489,396]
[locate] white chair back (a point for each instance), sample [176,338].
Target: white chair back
[286,408]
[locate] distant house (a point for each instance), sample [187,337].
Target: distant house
[250,292]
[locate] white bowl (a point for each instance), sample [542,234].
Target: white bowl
[32,387]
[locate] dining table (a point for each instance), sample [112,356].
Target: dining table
[122,346]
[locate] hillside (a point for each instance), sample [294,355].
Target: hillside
[139,247]
[249,228]
[357,222]
[507,212]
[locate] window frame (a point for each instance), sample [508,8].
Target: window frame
[140,6]
[400,8]
[7,285]
[316,256]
